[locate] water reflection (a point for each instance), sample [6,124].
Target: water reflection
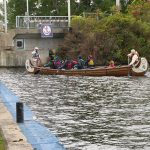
[88,113]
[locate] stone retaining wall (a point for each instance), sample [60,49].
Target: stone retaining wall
[11,56]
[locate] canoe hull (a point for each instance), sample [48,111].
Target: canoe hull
[99,71]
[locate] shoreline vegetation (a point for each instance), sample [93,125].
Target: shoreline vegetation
[108,38]
[98,28]
[2,142]
[111,36]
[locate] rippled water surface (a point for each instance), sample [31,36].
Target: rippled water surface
[88,113]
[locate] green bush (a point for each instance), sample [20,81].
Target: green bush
[111,37]
[2,143]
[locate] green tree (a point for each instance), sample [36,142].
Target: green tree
[140,10]
[2,10]
[123,6]
[40,8]
[104,5]
[110,37]
[18,8]
[85,5]
[145,13]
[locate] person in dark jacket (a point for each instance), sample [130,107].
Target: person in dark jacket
[50,59]
[80,64]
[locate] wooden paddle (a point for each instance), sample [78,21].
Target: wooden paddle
[37,72]
[38,65]
[129,71]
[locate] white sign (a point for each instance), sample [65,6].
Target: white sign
[46,31]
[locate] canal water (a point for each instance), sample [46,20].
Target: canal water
[88,113]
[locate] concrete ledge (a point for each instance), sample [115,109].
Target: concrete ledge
[32,31]
[15,140]
[36,134]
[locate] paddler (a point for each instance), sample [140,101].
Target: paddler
[36,57]
[134,56]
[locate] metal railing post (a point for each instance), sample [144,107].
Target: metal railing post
[16,21]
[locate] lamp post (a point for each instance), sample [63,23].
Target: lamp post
[69,14]
[27,14]
[5,14]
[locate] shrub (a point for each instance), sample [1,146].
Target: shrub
[111,37]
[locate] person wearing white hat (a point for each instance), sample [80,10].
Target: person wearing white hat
[36,56]
[134,57]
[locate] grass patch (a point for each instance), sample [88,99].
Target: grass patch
[2,142]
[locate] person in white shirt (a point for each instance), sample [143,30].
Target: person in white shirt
[134,58]
[36,57]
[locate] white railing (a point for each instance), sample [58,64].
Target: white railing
[35,21]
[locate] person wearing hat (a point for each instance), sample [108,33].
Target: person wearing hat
[134,57]
[36,56]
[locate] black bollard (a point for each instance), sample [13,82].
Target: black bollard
[19,112]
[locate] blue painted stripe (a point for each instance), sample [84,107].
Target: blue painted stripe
[37,135]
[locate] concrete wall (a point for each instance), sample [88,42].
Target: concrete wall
[12,56]
[29,44]
[36,134]
[42,44]
[18,58]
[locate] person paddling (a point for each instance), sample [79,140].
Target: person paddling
[80,64]
[134,55]
[36,57]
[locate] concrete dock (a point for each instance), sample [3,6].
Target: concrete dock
[15,140]
[29,135]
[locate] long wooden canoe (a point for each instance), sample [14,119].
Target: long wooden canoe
[97,71]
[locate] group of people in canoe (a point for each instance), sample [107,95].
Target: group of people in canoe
[55,62]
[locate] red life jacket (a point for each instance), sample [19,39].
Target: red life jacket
[69,65]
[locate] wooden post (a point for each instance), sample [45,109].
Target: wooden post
[19,112]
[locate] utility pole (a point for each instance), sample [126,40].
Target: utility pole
[27,14]
[118,4]
[27,8]
[5,14]
[69,14]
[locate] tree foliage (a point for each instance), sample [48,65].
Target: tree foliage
[110,37]
[55,7]
[18,8]
[104,5]
[1,10]
[105,37]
